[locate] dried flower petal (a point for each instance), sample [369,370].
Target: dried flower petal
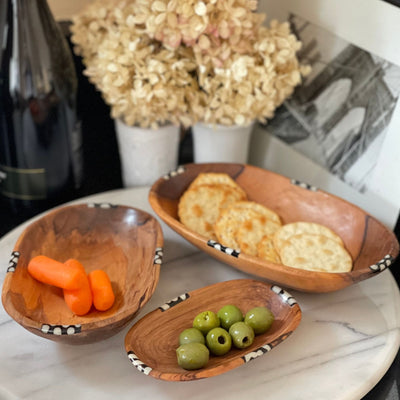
[204,42]
[159,6]
[200,8]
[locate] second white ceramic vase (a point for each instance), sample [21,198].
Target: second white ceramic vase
[219,143]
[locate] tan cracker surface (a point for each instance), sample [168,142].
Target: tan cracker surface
[315,253]
[296,228]
[199,207]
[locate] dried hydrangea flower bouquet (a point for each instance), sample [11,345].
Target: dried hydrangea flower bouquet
[190,63]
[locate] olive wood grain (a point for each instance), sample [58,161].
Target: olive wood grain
[367,240]
[151,342]
[120,240]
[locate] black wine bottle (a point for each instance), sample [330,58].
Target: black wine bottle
[40,138]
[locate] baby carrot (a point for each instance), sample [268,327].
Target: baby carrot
[78,300]
[103,295]
[55,273]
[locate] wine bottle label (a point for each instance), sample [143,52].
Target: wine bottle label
[23,184]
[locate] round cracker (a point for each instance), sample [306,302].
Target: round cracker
[216,178]
[267,251]
[315,253]
[250,233]
[296,228]
[228,223]
[199,207]
[259,208]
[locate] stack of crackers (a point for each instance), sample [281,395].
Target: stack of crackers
[216,207]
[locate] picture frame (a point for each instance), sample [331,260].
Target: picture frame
[340,129]
[394,2]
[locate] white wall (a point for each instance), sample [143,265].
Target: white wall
[64,9]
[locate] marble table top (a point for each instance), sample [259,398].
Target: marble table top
[343,346]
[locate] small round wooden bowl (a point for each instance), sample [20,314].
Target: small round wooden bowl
[125,242]
[151,343]
[372,246]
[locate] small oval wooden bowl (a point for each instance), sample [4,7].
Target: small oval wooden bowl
[125,242]
[372,246]
[151,343]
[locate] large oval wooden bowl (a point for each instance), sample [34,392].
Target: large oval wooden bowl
[372,246]
[151,343]
[125,242]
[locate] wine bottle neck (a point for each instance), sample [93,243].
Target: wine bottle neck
[24,11]
[24,3]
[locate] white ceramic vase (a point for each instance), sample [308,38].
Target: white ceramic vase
[146,154]
[219,143]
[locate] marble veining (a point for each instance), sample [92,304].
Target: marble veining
[344,344]
[345,325]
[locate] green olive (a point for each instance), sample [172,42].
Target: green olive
[242,335]
[218,341]
[228,315]
[191,335]
[205,321]
[260,319]
[192,355]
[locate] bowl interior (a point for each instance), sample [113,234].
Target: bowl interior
[157,351]
[367,240]
[120,240]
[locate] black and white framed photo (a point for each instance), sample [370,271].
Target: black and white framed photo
[395,2]
[340,131]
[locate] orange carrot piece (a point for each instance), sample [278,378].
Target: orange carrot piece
[103,295]
[78,300]
[55,273]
